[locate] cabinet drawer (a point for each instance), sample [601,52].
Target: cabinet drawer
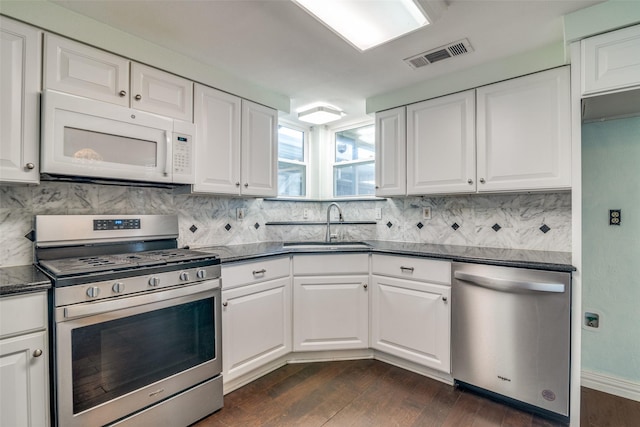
[246,273]
[315,264]
[23,313]
[427,270]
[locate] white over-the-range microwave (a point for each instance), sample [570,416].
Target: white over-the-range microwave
[93,139]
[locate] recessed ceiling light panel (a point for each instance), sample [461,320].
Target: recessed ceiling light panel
[366,24]
[319,115]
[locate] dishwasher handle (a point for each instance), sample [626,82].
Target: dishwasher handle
[506,285]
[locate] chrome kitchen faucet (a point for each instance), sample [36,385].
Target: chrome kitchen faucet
[328,237]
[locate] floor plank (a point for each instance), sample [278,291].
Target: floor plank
[370,393]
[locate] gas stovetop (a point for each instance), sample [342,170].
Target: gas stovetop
[115,262]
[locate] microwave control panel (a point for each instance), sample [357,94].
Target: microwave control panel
[183,158]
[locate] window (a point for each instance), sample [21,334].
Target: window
[354,166]
[292,162]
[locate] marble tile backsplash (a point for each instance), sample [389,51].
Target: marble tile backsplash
[208,220]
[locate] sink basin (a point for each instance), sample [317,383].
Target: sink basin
[326,246]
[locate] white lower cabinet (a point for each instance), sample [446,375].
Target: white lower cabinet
[330,302]
[411,310]
[256,318]
[24,385]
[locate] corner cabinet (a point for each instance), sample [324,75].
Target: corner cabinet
[524,133]
[391,178]
[24,384]
[441,145]
[256,315]
[411,309]
[330,302]
[20,52]
[236,144]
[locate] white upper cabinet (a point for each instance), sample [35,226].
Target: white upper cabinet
[391,177]
[237,143]
[441,145]
[158,92]
[611,61]
[20,52]
[82,70]
[524,133]
[259,150]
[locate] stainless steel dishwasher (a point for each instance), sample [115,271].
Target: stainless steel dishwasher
[511,335]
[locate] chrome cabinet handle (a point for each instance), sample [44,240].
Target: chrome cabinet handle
[30,165]
[123,93]
[37,353]
[138,97]
[257,272]
[403,268]
[482,181]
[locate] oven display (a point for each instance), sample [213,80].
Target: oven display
[116,224]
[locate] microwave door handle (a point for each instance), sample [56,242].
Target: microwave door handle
[167,162]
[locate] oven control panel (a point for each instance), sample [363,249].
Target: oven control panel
[116,224]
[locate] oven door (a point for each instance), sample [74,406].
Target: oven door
[119,356]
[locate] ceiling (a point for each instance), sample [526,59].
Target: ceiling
[277,45]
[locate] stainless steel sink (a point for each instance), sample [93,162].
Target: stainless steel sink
[326,246]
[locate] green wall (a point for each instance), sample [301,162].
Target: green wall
[611,254]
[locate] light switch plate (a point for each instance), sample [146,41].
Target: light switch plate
[240,214]
[426,212]
[378,213]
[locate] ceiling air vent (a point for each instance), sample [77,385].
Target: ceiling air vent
[438,54]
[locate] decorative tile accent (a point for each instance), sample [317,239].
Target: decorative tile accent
[227,227]
[496,227]
[256,225]
[455,226]
[389,224]
[193,228]
[420,225]
[545,228]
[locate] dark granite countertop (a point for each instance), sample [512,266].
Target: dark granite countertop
[21,280]
[543,260]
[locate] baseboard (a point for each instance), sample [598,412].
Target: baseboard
[610,384]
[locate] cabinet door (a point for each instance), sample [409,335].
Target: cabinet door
[611,61]
[412,320]
[19,102]
[256,326]
[162,93]
[259,150]
[85,71]
[330,313]
[23,381]
[391,177]
[217,119]
[441,145]
[524,133]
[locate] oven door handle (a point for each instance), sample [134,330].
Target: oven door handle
[93,308]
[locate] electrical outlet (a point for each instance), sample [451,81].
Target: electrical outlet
[240,214]
[615,216]
[378,213]
[426,212]
[305,213]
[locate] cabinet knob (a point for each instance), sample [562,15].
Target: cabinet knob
[37,353]
[365,286]
[237,184]
[482,181]
[377,187]
[30,165]
[224,304]
[138,97]
[246,185]
[123,93]
[445,299]
[470,181]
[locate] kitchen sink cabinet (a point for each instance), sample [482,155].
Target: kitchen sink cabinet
[441,144]
[411,309]
[256,316]
[330,302]
[236,145]
[20,52]
[83,70]
[391,178]
[524,133]
[611,61]
[24,385]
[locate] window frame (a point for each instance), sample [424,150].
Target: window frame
[332,164]
[306,162]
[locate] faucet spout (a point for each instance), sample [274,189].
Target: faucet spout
[340,218]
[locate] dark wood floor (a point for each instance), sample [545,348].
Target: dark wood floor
[372,393]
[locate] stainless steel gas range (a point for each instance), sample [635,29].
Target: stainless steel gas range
[135,321]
